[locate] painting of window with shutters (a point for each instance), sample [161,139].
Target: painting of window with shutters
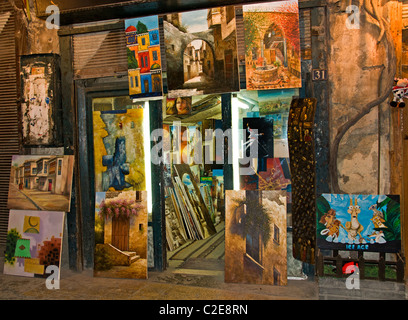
[121,234]
[143,54]
[119,150]
[34,242]
[255,237]
[272,45]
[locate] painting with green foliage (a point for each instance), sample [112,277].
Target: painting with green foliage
[255,237]
[359,222]
[29,253]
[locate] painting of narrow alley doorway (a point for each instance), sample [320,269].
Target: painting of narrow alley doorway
[119,150]
[255,237]
[121,234]
[272,45]
[201,59]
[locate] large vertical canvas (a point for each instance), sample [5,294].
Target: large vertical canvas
[303,177]
[201,54]
[34,242]
[41,182]
[358,222]
[144,57]
[119,150]
[255,237]
[272,45]
[121,234]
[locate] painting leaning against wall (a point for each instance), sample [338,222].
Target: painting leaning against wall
[34,242]
[255,237]
[41,182]
[121,234]
[119,150]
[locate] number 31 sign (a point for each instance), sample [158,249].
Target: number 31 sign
[319,74]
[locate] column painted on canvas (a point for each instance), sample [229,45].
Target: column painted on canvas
[41,182]
[121,234]
[358,222]
[119,150]
[201,54]
[255,237]
[272,45]
[143,54]
[34,242]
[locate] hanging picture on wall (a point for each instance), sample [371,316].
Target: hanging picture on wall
[272,45]
[121,234]
[34,242]
[143,54]
[200,58]
[41,182]
[178,106]
[359,222]
[119,150]
[255,237]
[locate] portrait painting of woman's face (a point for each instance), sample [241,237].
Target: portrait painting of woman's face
[178,106]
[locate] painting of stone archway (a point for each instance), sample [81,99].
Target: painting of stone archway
[272,45]
[201,52]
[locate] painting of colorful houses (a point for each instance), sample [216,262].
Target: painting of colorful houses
[41,182]
[144,61]
[272,45]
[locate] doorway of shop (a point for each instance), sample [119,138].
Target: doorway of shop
[194,186]
[108,120]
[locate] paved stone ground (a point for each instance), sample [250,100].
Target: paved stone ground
[160,286]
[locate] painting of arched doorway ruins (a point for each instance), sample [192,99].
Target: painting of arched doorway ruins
[201,52]
[272,45]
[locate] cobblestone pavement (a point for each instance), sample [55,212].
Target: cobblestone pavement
[160,286]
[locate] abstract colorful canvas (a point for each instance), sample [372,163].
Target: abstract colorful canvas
[144,60]
[255,237]
[121,234]
[30,253]
[272,45]
[201,52]
[41,182]
[359,222]
[119,150]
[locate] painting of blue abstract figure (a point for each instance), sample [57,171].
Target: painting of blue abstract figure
[117,168]
[119,150]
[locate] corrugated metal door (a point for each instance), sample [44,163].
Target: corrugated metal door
[9,135]
[100,54]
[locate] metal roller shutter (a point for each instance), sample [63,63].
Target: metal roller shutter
[100,54]
[9,134]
